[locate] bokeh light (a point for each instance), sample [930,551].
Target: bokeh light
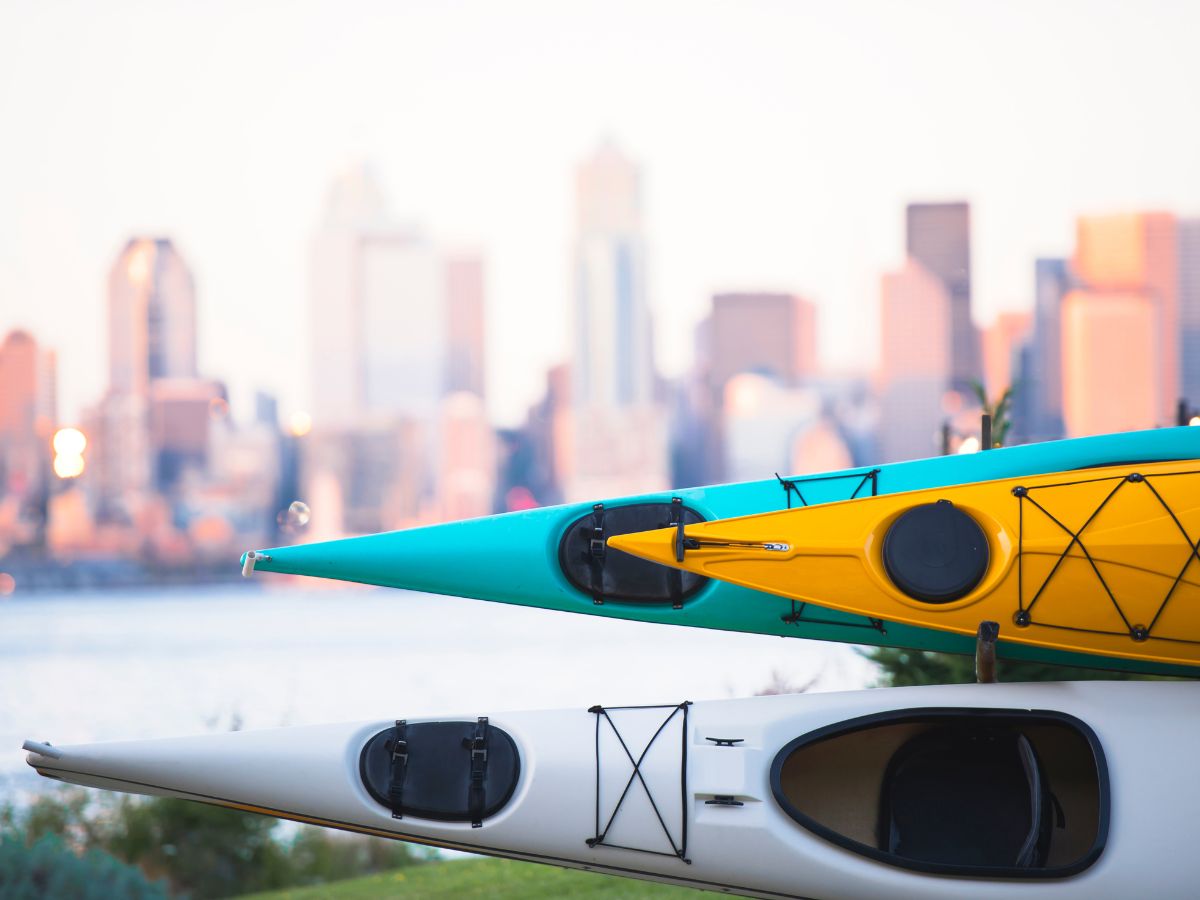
[300,423]
[969,445]
[69,442]
[8,584]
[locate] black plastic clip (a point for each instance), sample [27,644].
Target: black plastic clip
[676,584]
[399,750]
[597,548]
[479,757]
[723,800]
[725,742]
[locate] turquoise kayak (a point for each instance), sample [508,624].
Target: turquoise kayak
[556,557]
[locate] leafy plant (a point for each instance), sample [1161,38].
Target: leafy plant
[1000,411]
[50,868]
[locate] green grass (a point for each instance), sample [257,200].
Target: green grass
[483,878]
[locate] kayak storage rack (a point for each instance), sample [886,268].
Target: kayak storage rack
[457,771]
[607,812]
[608,575]
[972,792]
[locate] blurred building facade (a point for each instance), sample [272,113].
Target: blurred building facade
[1137,253]
[617,441]
[1110,364]
[398,366]
[28,413]
[915,361]
[1040,394]
[1189,309]
[769,335]
[938,236]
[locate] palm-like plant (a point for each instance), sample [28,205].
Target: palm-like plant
[1000,411]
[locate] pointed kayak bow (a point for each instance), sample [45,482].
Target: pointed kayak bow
[1103,561]
[548,557]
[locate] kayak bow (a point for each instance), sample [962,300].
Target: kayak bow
[1103,561]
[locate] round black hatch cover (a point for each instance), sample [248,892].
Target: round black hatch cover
[935,552]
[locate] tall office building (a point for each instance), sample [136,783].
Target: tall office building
[377,312]
[769,334]
[1042,400]
[151,316]
[465,356]
[618,440]
[1189,310]
[27,413]
[151,337]
[1002,344]
[1110,363]
[915,328]
[939,238]
[612,355]
[1138,253]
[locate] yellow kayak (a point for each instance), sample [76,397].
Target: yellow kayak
[1097,560]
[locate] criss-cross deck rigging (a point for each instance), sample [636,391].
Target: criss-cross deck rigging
[1136,631]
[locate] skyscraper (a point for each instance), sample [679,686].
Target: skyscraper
[27,412]
[151,337]
[915,327]
[1002,343]
[618,440]
[612,356]
[770,334]
[1043,394]
[377,311]
[465,326]
[1189,309]
[151,316]
[939,238]
[1138,253]
[1110,363]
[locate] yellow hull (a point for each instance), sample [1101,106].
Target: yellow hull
[1100,560]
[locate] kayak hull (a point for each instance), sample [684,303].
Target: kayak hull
[717,821]
[514,557]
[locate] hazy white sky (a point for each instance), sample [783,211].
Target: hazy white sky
[780,142]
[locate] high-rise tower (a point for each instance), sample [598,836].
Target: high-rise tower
[1189,310]
[151,316]
[1137,253]
[618,439]
[939,238]
[377,311]
[915,327]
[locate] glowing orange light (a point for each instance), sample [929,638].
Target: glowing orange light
[300,423]
[69,442]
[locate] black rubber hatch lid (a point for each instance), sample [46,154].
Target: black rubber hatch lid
[935,552]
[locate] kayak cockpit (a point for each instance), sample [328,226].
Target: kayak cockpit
[974,792]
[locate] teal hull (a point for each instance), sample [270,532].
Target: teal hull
[513,557]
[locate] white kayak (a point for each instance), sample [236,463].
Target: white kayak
[1054,790]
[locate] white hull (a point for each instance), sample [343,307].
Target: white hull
[574,770]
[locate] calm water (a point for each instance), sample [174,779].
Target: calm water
[154,663]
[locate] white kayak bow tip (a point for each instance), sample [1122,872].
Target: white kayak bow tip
[41,749]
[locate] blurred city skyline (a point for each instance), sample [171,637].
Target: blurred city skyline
[779,145]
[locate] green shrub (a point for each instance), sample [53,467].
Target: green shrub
[49,868]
